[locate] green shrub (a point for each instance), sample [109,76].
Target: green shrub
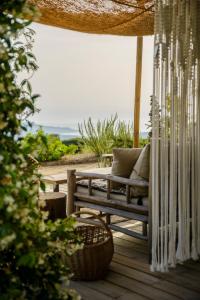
[47,147]
[123,135]
[99,138]
[105,135]
[75,141]
[31,248]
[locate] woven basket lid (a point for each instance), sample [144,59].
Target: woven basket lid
[118,17]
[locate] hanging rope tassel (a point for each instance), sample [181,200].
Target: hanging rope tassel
[176,134]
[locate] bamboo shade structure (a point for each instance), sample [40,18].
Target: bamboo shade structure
[118,17]
[138,81]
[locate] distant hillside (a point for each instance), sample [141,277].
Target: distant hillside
[62,132]
[54,129]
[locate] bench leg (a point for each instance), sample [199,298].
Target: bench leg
[77,208]
[108,219]
[144,228]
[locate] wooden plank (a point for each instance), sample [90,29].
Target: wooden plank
[133,263]
[122,180]
[112,211]
[160,282]
[87,293]
[136,242]
[112,290]
[131,246]
[178,277]
[136,254]
[141,248]
[129,232]
[138,80]
[119,204]
[139,287]
[193,265]
[133,273]
[177,290]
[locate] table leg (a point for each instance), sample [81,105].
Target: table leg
[56,187]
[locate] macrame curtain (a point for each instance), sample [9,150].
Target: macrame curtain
[176,134]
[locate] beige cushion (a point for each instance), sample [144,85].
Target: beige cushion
[141,172]
[142,165]
[123,161]
[138,191]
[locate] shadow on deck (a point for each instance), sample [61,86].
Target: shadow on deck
[129,277]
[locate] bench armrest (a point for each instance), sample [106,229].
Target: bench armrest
[127,181]
[122,180]
[89,175]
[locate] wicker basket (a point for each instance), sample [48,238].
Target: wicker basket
[91,262]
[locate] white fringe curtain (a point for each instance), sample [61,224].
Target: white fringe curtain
[176,134]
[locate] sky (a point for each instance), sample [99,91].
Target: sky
[85,75]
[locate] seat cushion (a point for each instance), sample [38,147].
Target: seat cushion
[123,161]
[99,188]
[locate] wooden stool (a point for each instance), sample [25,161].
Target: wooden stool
[55,204]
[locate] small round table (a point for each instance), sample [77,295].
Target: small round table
[55,204]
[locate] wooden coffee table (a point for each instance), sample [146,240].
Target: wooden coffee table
[55,180]
[61,178]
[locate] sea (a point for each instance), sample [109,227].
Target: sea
[64,132]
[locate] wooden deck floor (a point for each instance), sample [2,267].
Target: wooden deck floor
[129,277]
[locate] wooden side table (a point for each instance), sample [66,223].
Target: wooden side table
[55,204]
[55,180]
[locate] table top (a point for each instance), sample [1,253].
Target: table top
[62,177]
[56,178]
[51,195]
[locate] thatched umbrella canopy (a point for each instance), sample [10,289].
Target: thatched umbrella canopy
[118,17]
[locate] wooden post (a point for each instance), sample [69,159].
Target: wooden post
[71,185]
[138,79]
[150,207]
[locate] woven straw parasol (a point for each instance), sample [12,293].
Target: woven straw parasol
[118,17]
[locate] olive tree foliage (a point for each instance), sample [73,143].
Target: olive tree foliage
[32,249]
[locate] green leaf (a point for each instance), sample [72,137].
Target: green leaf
[29,86]
[27,260]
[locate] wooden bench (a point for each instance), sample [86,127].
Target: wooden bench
[105,203]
